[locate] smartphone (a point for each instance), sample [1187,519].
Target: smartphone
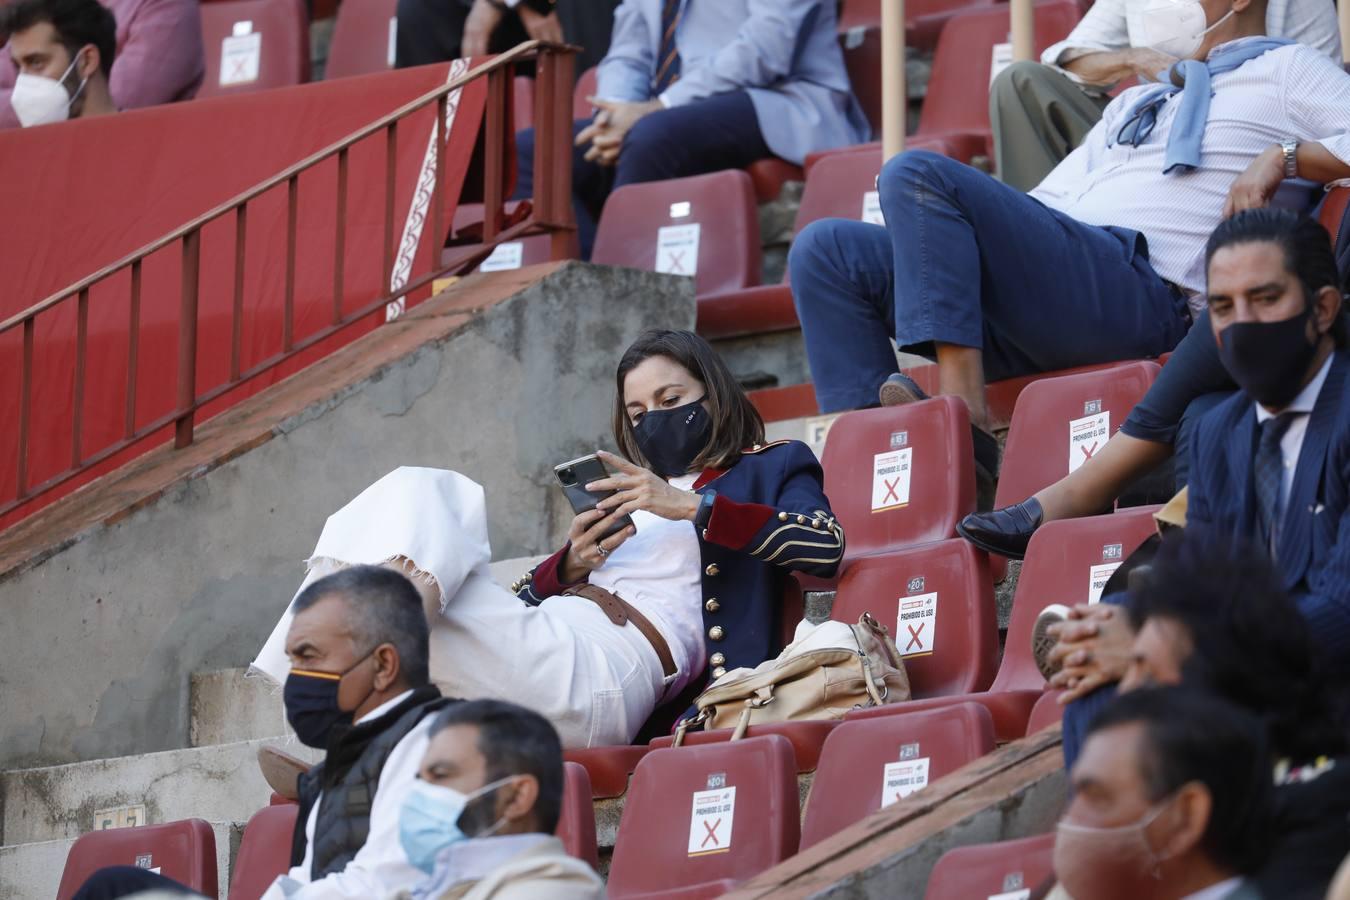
[575,475]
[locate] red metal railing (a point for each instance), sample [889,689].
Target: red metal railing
[551,213]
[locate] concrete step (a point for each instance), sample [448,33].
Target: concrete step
[227,707]
[810,429]
[33,871]
[220,784]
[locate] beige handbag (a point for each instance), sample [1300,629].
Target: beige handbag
[826,671]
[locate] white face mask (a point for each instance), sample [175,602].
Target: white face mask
[1176,27]
[39,100]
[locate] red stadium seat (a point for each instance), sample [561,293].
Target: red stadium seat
[1009,709]
[957,105]
[835,189]
[576,826]
[1053,424]
[713,222]
[769,175]
[526,251]
[607,767]
[252,45]
[988,870]
[264,851]
[363,38]
[581,107]
[1332,213]
[706,817]
[870,763]
[184,851]
[924,19]
[1067,562]
[1063,561]
[1046,712]
[953,649]
[806,739]
[927,444]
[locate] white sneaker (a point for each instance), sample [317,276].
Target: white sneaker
[1042,642]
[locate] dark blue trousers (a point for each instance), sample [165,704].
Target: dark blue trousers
[718,133]
[967,260]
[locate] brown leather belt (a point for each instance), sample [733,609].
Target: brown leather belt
[621,612]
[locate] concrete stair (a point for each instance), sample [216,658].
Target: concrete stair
[44,809]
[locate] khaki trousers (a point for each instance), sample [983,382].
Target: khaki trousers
[1039,115]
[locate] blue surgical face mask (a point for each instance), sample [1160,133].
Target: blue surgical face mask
[429,821]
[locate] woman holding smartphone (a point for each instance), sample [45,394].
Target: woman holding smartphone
[615,623]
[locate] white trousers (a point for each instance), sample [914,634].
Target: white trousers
[596,682]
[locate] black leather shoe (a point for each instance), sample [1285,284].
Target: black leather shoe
[1004,531]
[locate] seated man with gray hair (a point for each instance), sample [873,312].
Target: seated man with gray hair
[359,688]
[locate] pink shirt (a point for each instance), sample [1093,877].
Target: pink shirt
[159,55]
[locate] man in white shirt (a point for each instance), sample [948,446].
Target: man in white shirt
[1041,111]
[1171,801]
[1101,261]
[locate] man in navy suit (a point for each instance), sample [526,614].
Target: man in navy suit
[695,86]
[1270,466]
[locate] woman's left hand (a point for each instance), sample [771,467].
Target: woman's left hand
[639,488]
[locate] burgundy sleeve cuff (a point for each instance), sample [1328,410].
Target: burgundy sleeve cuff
[735,524]
[547,580]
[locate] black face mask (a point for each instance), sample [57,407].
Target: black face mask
[311,700]
[1268,360]
[671,438]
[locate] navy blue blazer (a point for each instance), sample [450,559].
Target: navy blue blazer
[1313,555]
[770,516]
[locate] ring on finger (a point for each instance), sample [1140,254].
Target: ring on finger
[600,548]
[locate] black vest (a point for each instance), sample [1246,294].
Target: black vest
[347,779]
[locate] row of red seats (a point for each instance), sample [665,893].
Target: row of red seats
[186,850]
[864,766]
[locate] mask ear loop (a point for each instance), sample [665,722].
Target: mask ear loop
[485,789]
[79,91]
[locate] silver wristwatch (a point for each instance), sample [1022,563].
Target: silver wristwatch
[1289,149]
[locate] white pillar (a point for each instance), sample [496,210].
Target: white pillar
[1023,29]
[894,102]
[1344,8]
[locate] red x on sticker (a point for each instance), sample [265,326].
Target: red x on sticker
[676,262]
[238,67]
[1088,451]
[890,489]
[914,636]
[712,834]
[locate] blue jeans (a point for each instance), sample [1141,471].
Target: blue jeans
[718,133]
[969,261]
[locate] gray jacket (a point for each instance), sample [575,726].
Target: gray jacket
[783,53]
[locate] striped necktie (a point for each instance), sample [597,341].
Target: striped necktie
[1268,473]
[668,69]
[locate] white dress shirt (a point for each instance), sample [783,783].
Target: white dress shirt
[1114,25]
[1290,92]
[1291,443]
[380,866]
[1216,891]
[659,570]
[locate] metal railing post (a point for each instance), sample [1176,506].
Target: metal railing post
[187,340]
